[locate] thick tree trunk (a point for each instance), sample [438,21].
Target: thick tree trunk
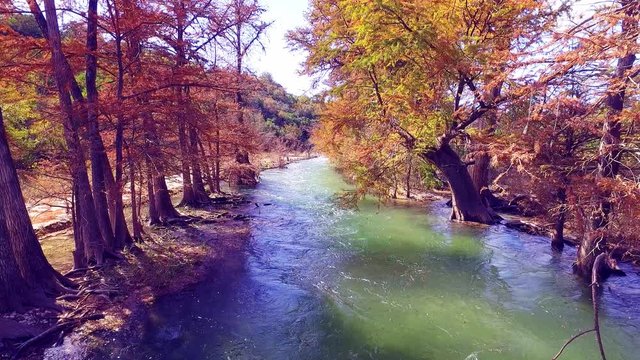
[467,204]
[114,193]
[479,170]
[481,161]
[18,236]
[87,219]
[164,206]
[14,295]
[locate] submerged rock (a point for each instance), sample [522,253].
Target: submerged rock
[169,333]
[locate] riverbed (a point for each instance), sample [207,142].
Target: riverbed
[318,281]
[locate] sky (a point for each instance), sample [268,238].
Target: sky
[282,63]
[285,64]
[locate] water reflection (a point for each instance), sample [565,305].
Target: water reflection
[322,282]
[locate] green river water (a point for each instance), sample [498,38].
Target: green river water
[321,282]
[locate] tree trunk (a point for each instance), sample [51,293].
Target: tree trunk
[188,194]
[96,146]
[135,220]
[114,193]
[17,235]
[198,183]
[100,178]
[154,217]
[216,163]
[609,153]
[163,199]
[479,170]
[408,179]
[216,170]
[78,252]
[466,202]
[208,175]
[162,207]
[115,186]
[394,194]
[557,239]
[87,219]
[13,290]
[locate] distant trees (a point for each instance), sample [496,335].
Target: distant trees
[121,93]
[287,117]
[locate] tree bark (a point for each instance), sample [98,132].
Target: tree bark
[162,207]
[13,289]
[479,170]
[135,220]
[557,239]
[208,173]
[87,218]
[216,163]
[188,194]
[97,150]
[467,204]
[23,266]
[154,218]
[198,183]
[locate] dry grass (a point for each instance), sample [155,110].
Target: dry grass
[58,249]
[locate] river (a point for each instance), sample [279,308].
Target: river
[321,282]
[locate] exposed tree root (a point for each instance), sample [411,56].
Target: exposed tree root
[83,292]
[55,330]
[79,271]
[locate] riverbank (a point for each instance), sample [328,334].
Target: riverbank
[168,261]
[189,256]
[539,224]
[382,282]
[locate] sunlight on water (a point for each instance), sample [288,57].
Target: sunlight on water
[322,282]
